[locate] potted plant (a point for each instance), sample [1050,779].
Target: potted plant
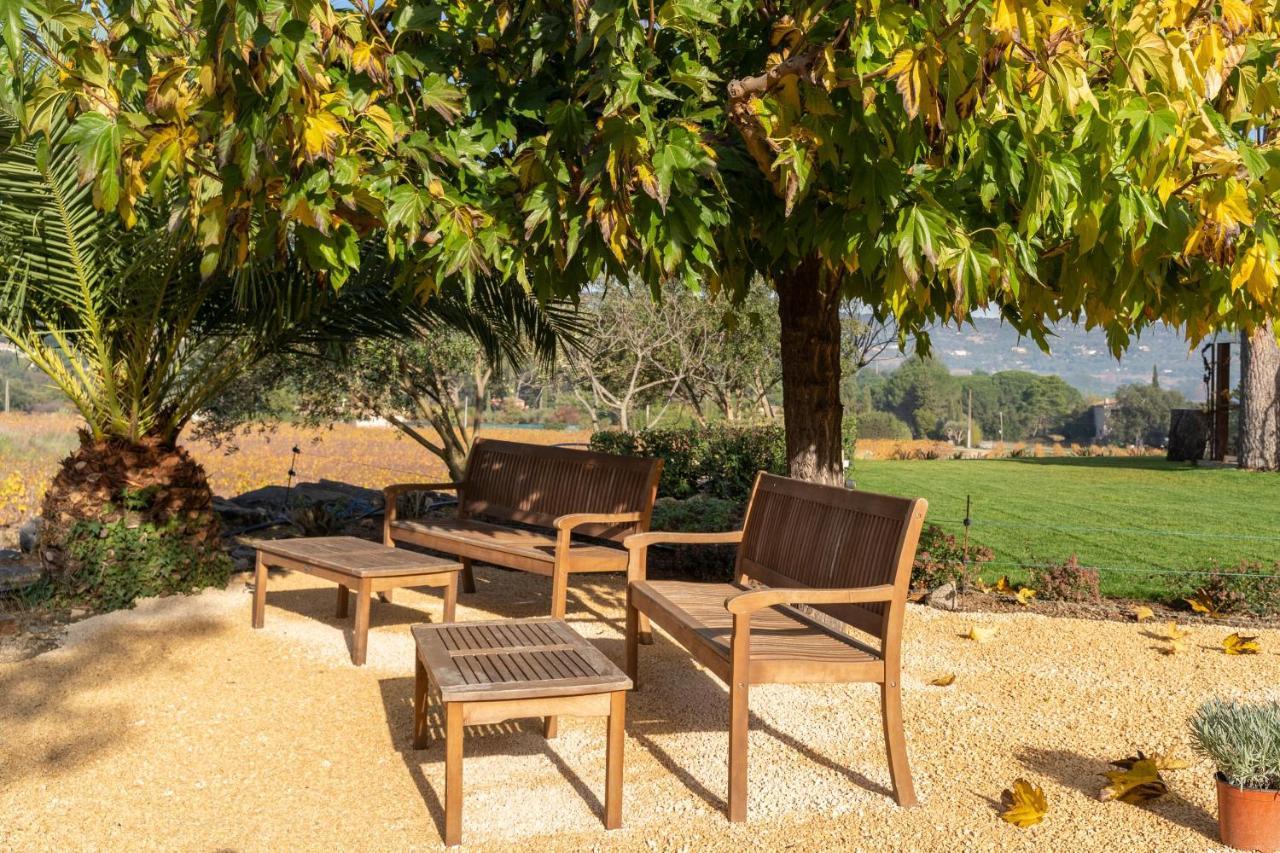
[1243,741]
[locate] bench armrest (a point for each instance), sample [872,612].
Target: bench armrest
[637,545]
[758,599]
[640,541]
[576,519]
[395,490]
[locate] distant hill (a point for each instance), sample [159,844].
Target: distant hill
[1079,357]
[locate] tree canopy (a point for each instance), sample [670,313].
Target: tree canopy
[1045,158]
[1111,163]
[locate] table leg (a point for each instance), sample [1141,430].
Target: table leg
[421,689]
[453,773]
[613,760]
[385,596]
[259,590]
[451,598]
[344,595]
[361,639]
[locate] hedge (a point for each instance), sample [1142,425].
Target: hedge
[719,461]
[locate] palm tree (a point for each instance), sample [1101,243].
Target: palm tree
[123,322]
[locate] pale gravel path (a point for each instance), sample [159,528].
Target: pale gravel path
[176,726]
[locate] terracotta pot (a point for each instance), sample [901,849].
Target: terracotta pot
[1248,819]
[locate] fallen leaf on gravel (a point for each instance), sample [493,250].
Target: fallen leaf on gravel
[1135,781]
[1201,604]
[1024,804]
[1174,647]
[1025,595]
[980,635]
[944,680]
[1161,761]
[1238,645]
[1142,614]
[1173,632]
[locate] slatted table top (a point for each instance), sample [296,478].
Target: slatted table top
[513,659]
[358,558]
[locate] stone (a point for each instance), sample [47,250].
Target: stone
[8,626]
[29,535]
[943,598]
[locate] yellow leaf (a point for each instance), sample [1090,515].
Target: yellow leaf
[1173,632]
[1024,595]
[916,73]
[321,131]
[1238,645]
[1237,15]
[368,59]
[1003,586]
[1142,613]
[980,635]
[944,680]
[1024,804]
[1256,271]
[1135,781]
[382,120]
[1201,604]
[1174,647]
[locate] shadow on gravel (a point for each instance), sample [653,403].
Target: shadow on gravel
[513,737]
[1084,774]
[53,718]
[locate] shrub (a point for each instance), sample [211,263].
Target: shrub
[717,460]
[700,514]
[1067,581]
[883,425]
[121,561]
[1242,739]
[1247,588]
[940,559]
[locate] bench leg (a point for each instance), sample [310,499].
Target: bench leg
[738,714]
[421,690]
[632,663]
[613,760]
[559,591]
[646,633]
[468,577]
[259,590]
[344,596]
[360,640]
[451,599]
[453,774]
[895,741]
[550,727]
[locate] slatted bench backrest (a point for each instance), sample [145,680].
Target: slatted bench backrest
[799,534]
[535,484]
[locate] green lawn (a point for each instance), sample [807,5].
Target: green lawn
[1135,518]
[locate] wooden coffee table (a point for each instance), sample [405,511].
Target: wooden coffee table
[487,672]
[355,564]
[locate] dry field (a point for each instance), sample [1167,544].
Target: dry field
[32,445]
[176,726]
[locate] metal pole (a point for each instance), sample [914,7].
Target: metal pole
[968,520]
[968,438]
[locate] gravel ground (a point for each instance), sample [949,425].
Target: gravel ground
[176,726]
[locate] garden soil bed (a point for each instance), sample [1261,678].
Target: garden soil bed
[176,726]
[1109,609]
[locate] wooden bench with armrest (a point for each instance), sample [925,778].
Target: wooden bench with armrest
[563,494]
[813,562]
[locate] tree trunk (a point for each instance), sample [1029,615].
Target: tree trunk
[1260,400]
[809,310]
[124,520]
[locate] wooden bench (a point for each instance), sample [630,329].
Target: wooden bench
[813,562]
[562,493]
